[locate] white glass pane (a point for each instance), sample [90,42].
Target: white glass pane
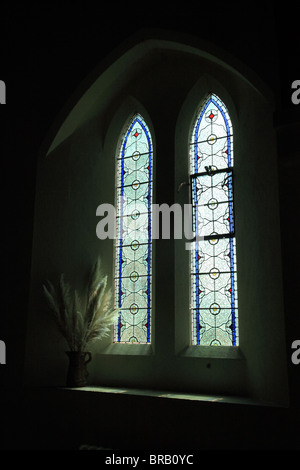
[133,249]
[213,258]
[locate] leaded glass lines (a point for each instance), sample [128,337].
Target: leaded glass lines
[214,307]
[133,248]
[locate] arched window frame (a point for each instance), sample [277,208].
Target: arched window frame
[220,327]
[206,372]
[137,136]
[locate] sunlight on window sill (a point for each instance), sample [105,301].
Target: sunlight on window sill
[130,349]
[213,352]
[170,395]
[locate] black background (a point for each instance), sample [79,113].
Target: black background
[46,52]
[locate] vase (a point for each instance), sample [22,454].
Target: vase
[77,370]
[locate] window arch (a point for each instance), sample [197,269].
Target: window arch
[133,247]
[88,136]
[214,309]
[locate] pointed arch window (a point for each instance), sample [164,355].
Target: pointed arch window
[133,248]
[214,307]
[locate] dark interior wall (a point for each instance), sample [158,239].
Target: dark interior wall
[77,173]
[45,57]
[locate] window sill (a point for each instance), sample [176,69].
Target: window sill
[127,349]
[207,352]
[230,400]
[213,352]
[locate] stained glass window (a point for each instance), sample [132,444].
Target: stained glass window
[133,248]
[214,303]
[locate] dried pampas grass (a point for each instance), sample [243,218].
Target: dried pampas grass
[82,321]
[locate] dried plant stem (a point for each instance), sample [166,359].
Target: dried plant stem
[82,322]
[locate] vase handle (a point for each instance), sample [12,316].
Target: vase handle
[89,358]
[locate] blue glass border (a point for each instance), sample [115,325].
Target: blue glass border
[134,121]
[230,193]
